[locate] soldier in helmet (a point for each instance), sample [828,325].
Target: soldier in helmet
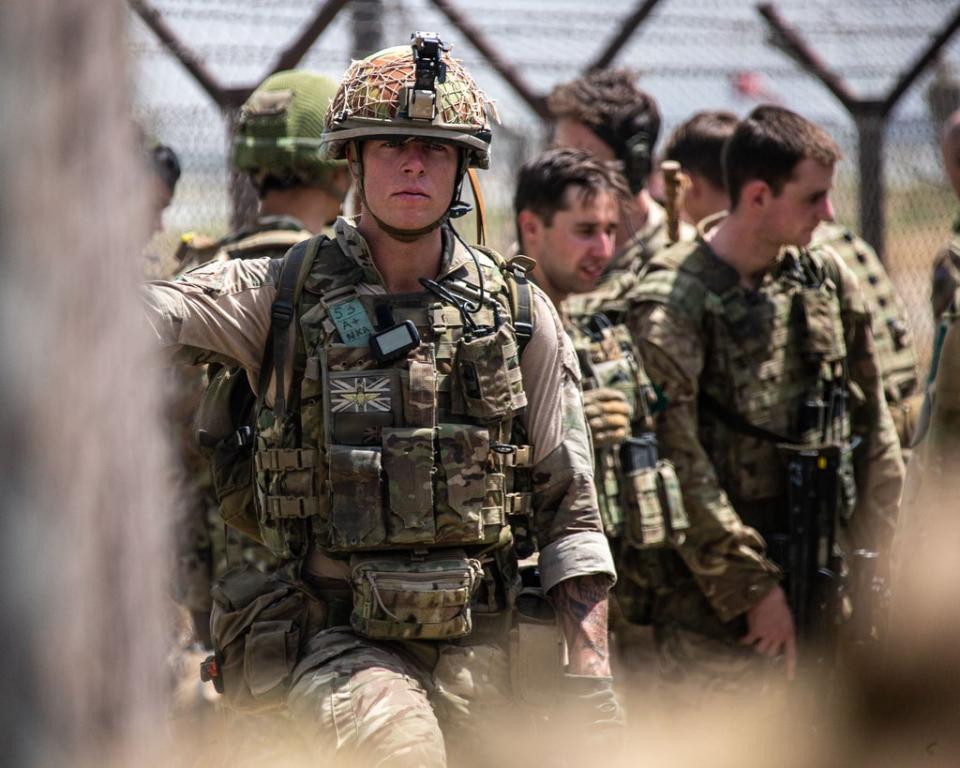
[697,144]
[418,421]
[277,144]
[775,417]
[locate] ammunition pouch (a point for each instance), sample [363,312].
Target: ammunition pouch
[654,515]
[396,598]
[224,430]
[258,625]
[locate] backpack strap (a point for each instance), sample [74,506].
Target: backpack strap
[294,266]
[521,298]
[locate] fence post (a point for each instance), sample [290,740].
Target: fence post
[871,126]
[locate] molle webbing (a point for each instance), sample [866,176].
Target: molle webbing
[377,455]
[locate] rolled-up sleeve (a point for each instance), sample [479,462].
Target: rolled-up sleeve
[565,514]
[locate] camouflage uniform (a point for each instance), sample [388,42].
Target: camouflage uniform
[701,334]
[343,678]
[946,274]
[893,339]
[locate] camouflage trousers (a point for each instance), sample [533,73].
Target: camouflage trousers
[399,704]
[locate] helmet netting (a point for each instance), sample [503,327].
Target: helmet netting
[373,89]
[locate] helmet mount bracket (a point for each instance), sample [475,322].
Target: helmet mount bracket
[420,99]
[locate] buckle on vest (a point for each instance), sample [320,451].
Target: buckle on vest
[243,437]
[282,312]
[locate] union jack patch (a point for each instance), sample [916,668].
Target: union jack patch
[360,394]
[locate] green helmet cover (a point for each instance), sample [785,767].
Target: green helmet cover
[280,129]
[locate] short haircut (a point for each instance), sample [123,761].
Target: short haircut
[543,181]
[768,144]
[697,144]
[621,115]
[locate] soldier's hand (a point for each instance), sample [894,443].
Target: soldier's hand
[770,629]
[608,414]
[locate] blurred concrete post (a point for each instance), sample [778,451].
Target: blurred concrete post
[871,126]
[366,17]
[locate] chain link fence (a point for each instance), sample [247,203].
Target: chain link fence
[690,54]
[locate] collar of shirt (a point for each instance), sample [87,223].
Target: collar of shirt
[353,244]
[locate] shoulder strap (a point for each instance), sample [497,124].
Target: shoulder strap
[521,298]
[736,422]
[250,247]
[295,263]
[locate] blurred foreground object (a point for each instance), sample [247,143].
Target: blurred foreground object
[83,644]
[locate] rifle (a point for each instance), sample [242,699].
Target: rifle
[806,551]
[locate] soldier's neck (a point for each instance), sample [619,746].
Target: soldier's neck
[402,264]
[555,295]
[635,214]
[315,208]
[740,242]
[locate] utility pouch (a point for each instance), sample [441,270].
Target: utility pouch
[395,598]
[488,368]
[231,470]
[356,504]
[462,484]
[257,625]
[536,646]
[653,505]
[408,466]
[823,339]
[224,432]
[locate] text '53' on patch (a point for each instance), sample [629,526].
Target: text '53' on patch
[352,322]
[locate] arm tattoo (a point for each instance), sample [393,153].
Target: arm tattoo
[582,605]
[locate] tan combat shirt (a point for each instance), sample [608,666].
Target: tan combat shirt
[725,556]
[221,311]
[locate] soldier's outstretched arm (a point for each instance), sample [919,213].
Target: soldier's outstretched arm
[576,567]
[724,555]
[217,312]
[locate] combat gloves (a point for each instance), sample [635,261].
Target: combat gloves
[608,414]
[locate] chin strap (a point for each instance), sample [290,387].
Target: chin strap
[481,206]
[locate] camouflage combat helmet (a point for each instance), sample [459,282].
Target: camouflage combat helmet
[281,126]
[415,90]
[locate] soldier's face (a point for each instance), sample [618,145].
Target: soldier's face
[575,135]
[573,251]
[802,204]
[409,183]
